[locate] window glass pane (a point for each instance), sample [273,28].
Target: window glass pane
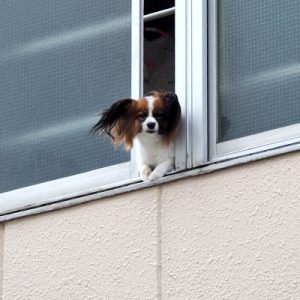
[159,54]
[151,6]
[61,63]
[258,66]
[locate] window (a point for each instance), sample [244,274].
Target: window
[236,71]
[53,80]
[255,78]
[61,62]
[234,66]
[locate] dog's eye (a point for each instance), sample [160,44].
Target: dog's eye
[158,115]
[142,115]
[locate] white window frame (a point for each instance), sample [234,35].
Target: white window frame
[272,139]
[191,82]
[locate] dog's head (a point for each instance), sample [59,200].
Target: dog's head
[157,113]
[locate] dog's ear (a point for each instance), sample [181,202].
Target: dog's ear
[173,112]
[116,120]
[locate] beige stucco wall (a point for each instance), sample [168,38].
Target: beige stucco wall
[231,234]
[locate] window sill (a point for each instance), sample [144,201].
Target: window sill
[137,184]
[63,189]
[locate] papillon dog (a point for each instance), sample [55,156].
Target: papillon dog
[148,125]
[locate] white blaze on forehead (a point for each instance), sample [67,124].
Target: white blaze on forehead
[150,118]
[150,100]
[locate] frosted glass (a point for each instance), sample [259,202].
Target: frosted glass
[61,63]
[258,66]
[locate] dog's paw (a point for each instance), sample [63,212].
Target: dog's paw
[145,172]
[155,175]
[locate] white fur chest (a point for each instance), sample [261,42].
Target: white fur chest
[152,151]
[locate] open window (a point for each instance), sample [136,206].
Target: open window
[234,68]
[159,45]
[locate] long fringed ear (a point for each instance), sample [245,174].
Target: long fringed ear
[173,109]
[115,120]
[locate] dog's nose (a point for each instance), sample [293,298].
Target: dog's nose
[151,125]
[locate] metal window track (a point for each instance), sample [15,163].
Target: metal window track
[159,14]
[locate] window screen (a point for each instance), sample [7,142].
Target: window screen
[61,63]
[258,66]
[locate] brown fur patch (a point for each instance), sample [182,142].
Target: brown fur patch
[168,106]
[130,126]
[158,104]
[131,132]
[142,105]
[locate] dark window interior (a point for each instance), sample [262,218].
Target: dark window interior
[157,5]
[159,54]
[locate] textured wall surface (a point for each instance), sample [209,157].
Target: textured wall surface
[231,234]
[102,250]
[234,234]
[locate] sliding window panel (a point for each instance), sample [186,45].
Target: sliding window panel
[61,64]
[257,65]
